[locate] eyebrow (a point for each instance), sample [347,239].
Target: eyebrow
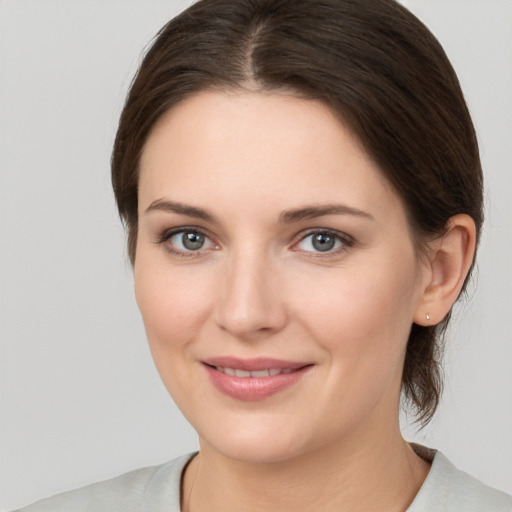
[314,211]
[181,209]
[286,217]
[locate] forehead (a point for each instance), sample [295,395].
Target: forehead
[233,146]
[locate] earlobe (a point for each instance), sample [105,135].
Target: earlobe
[446,269]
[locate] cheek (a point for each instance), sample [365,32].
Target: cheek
[361,315]
[173,304]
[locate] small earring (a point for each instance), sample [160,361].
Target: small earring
[427,316]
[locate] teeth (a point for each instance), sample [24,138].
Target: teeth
[271,372]
[261,373]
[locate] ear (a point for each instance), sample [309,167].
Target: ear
[448,262]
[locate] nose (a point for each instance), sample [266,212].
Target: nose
[250,304]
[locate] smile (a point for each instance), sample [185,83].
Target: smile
[255,379]
[236,372]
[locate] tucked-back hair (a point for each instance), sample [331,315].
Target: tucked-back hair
[373,64]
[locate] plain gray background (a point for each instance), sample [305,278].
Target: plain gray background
[80,399]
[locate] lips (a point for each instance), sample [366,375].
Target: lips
[271,372]
[253,379]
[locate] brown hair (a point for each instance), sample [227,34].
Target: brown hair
[374,64]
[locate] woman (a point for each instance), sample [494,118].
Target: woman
[302,191]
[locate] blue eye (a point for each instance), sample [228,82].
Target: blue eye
[186,241]
[321,241]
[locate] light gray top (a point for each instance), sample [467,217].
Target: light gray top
[157,489]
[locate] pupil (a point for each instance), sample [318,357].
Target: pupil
[322,242]
[193,241]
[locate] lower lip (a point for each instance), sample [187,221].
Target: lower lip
[251,389]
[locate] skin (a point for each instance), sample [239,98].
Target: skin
[258,287]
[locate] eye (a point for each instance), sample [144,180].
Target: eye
[186,241]
[322,242]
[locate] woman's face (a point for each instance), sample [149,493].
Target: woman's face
[275,274]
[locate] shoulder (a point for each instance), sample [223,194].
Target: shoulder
[153,489]
[448,489]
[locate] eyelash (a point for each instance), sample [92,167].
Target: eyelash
[345,240]
[165,236]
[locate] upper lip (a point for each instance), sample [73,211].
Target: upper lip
[254,364]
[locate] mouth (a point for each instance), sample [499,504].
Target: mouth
[237,372]
[254,379]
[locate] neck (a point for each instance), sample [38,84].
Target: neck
[377,473]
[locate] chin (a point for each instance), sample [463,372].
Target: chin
[253,440]
[263,442]
[256,452]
